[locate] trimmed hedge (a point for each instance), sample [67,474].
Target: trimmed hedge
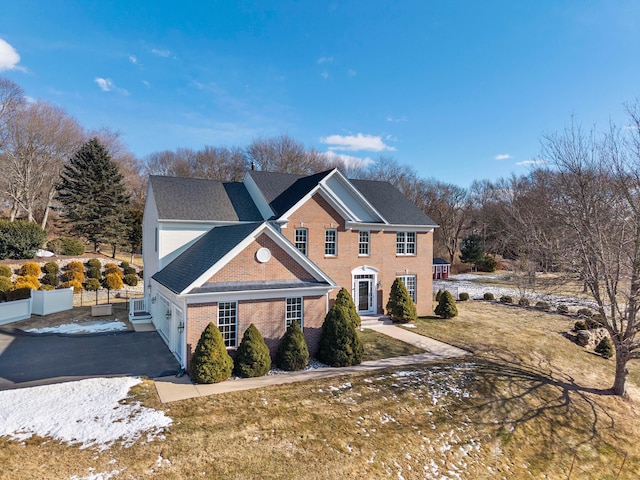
[94,263]
[488,296]
[400,306]
[252,357]
[210,362]
[508,299]
[340,345]
[293,353]
[524,302]
[463,296]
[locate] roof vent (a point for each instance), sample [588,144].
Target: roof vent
[263,255]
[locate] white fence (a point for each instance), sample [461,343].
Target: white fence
[15,311]
[46,302]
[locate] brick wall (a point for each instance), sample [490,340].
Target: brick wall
[267,315]
[245,268]
[317,215]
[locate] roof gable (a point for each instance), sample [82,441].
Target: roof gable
[197,199]
[208,255]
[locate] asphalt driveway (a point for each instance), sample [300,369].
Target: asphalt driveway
[37,359]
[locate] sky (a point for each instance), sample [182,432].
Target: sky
[458,90]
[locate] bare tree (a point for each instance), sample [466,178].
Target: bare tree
[286,155]
[598,177]
[40,137]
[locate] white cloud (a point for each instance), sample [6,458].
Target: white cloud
[324,74]
[502,156]
[392,119]
[146,84]
[351,72]
[354,143]
[133,59]
[349,161]
[161,53]
[527,163]
[106,85]
[9,58]
[322,60]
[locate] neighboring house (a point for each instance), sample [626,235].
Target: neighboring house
[272,250]
[441,269]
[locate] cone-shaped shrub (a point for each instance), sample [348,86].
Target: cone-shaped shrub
[292,353]
[344,298]
[438,295]
[400,306]
[605,348]
[210,362]
[340,345]
[252,357]
[446,306]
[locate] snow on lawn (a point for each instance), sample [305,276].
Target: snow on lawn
[73,328]
[87,412]
[472,284]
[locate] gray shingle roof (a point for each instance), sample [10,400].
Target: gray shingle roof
[202,200]
[283,190]
[392,205]
[252,286]
[202,255]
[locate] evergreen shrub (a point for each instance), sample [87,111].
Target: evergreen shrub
[543,306]
[488,296]
[73,275]
[446,307]
[130,279]
[27,281]
[524,302]
[506,299]
[72,247]
[130,271]
[292,353]
[5,271]
[605,348]
[562,309]
[74,266]
[112,281]
[30,268]
[92,284]
[400,306]
[438,294]
[77,285]
[94,272]
[113,268]
[252,357]
[45,286]
[344,298]
[20,239]
[340,345]
[50,279]
[579,325]
[584,312]
[210,362]
[51,267]
[94,263]
[5,284]
[463,296]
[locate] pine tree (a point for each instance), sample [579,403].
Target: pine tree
[344,298]
[446,306]
[293,353]
[340,345]
[400,306]
[252,357]
[210,362]
[93,195]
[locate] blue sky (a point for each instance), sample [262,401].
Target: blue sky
[459,90]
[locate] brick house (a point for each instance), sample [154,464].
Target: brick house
[273,249]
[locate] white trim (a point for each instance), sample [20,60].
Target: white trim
[373,285]
[256,195]
[205,297]
[389,227]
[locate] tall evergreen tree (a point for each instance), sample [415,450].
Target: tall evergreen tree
[93,196]
[344,298]
[400,306]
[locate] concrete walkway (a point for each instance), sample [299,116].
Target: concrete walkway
[171,389]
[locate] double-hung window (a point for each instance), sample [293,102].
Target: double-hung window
[228,323]
[331,242]
[409,282]
[363,244]
[301,240]
[294,311]
[406,243]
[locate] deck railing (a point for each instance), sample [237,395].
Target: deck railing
[138,306]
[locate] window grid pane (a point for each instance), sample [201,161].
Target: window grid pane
[363,243]
[294,311]
[409,282]
[301,240]
[330,241]
[400,243]
[227,323]
[411,243]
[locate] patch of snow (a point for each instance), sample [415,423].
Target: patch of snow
[74,328]
[97,476]
[44,253]
[87,412]
[409,325]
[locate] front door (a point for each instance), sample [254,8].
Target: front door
[364,290]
